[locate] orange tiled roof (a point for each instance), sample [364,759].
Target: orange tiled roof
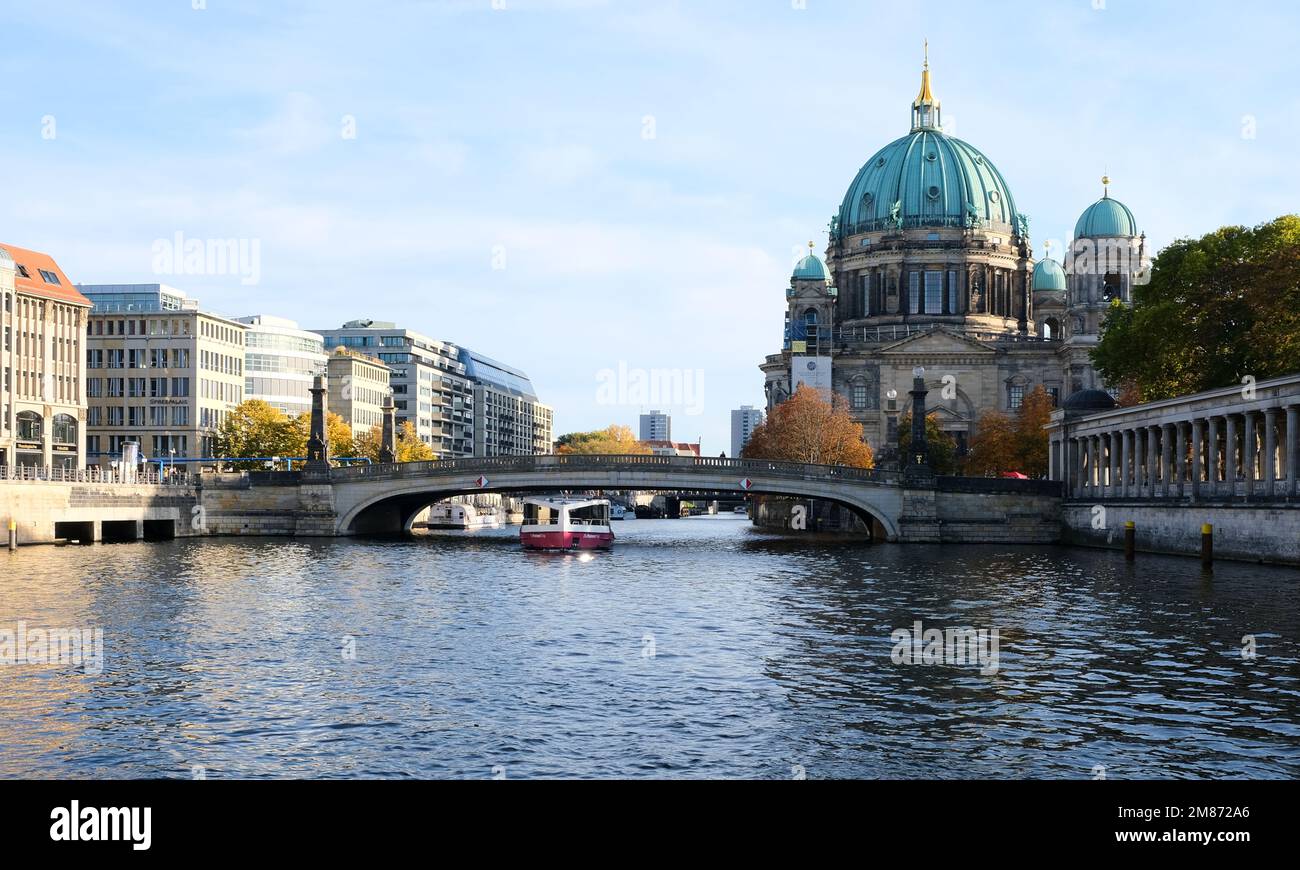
[679,446]
[33,262]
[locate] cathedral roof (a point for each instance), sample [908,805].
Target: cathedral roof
[810,268]
[1106,217]
[1048,275]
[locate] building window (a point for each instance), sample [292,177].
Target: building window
[952,291]
[914,292]
[933,292]
[65,429]
[859,395]
[1016,396]
[29,426]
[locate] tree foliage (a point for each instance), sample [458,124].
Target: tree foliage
[1216,309]
[940,446]
[1019,443]
[613,439]
[807,428]
[257,430]
[409,446]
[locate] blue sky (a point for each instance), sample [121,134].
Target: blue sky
[517,137]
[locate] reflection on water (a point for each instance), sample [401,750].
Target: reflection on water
[695,648]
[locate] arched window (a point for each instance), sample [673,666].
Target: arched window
[29,426]
[810,317]
[65,429]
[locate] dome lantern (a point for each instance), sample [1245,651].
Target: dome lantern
[925,108]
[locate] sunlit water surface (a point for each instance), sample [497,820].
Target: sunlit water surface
[696,648]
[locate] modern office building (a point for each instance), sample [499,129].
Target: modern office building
[744,420]
[509,419]
[656,426]
[280,361]
[357,387]
[43,394]
[431,388]
[159,371]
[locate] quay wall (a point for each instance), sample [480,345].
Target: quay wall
[45,512]
[1268,533]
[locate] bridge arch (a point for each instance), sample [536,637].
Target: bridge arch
[385,499]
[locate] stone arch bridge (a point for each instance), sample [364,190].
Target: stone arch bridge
[384,499]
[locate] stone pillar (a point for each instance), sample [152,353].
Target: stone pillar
[1230,455]
[1125,456]
[1270,451]
[1197,440]
[1094,464]
[318,451]
[1167,459]
[1212,457]
[1153,468]
[1180,459]
[918,456]
[1072,462]
[1112,450]
[388,436]
[1248,453]
[1292,420]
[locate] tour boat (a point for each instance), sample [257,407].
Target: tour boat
[617,512]
[566,524]
[451,515]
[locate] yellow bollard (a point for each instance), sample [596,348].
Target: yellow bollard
[13,535]
[1207,544]
[1130,540]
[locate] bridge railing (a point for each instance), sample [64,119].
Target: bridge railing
[593,462]
[92,474]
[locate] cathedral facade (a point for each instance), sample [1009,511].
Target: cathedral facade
[929,265]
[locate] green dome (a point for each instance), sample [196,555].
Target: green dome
[1048,275]
[810,268]
[927,179]
[1106,217]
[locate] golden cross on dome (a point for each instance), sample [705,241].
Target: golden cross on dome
[1105,181]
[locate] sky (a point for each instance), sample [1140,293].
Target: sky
[581,188]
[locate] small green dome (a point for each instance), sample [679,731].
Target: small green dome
[810,268]
[1048,275]
[1106,217]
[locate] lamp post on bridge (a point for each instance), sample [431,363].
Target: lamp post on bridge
[388,436]
[317,443]
[918,453]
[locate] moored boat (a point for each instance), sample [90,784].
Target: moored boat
[566,524]
[452,515]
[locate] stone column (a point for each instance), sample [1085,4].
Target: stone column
[1248,452]
[1125,456]
[1153,468]
[1180,458]
[1114,464]
[1074,467]
[1094,473]
[1167,460]
[1270,451]
[1197,437]
[1230,455]
[1212,457]
[1292,420]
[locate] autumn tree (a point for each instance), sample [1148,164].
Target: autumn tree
[940,446]
[807,428]
[612,439]
[337,433]
[256,429]
[1003,443]
[410,448]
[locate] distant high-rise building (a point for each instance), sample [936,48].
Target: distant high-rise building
[656,426]
[744,420]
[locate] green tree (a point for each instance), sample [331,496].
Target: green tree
[940,445]
[256,429]
[1216,309]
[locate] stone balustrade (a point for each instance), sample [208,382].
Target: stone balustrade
[1232,443]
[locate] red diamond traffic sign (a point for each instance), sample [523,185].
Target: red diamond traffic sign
[480,481]
[746,483]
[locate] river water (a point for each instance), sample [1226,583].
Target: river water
[696,648]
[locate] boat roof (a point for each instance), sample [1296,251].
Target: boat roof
[566,502]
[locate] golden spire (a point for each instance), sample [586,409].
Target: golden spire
[926,95]
[811,245]
[1105,189]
